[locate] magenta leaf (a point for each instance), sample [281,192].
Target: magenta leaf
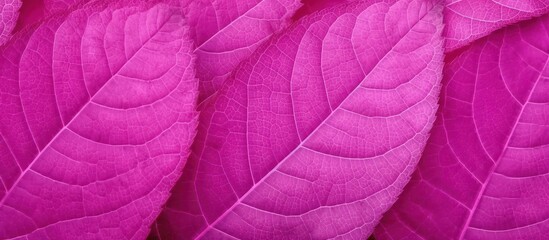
[315,135]
[484,173]
[9,11]
[468,20]
[228,31]
[98,113]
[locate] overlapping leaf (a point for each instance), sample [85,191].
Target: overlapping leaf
[228,31]
[97,118]
[316,134]
[468,20]
[9,11]
[484,173]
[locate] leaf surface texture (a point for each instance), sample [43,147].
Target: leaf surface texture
[316,134]
[484,172]
[98,116]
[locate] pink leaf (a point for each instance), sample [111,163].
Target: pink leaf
[316,134]
[9,10]
[484,173]
[468,20]
[228,31]
[97,118]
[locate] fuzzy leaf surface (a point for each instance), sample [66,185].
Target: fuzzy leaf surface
[468,20]
[98,113]
[316,134]
[484,173]
[228,31]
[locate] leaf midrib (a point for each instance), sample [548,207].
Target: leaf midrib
[239,200]
[498,161]
[65,127]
